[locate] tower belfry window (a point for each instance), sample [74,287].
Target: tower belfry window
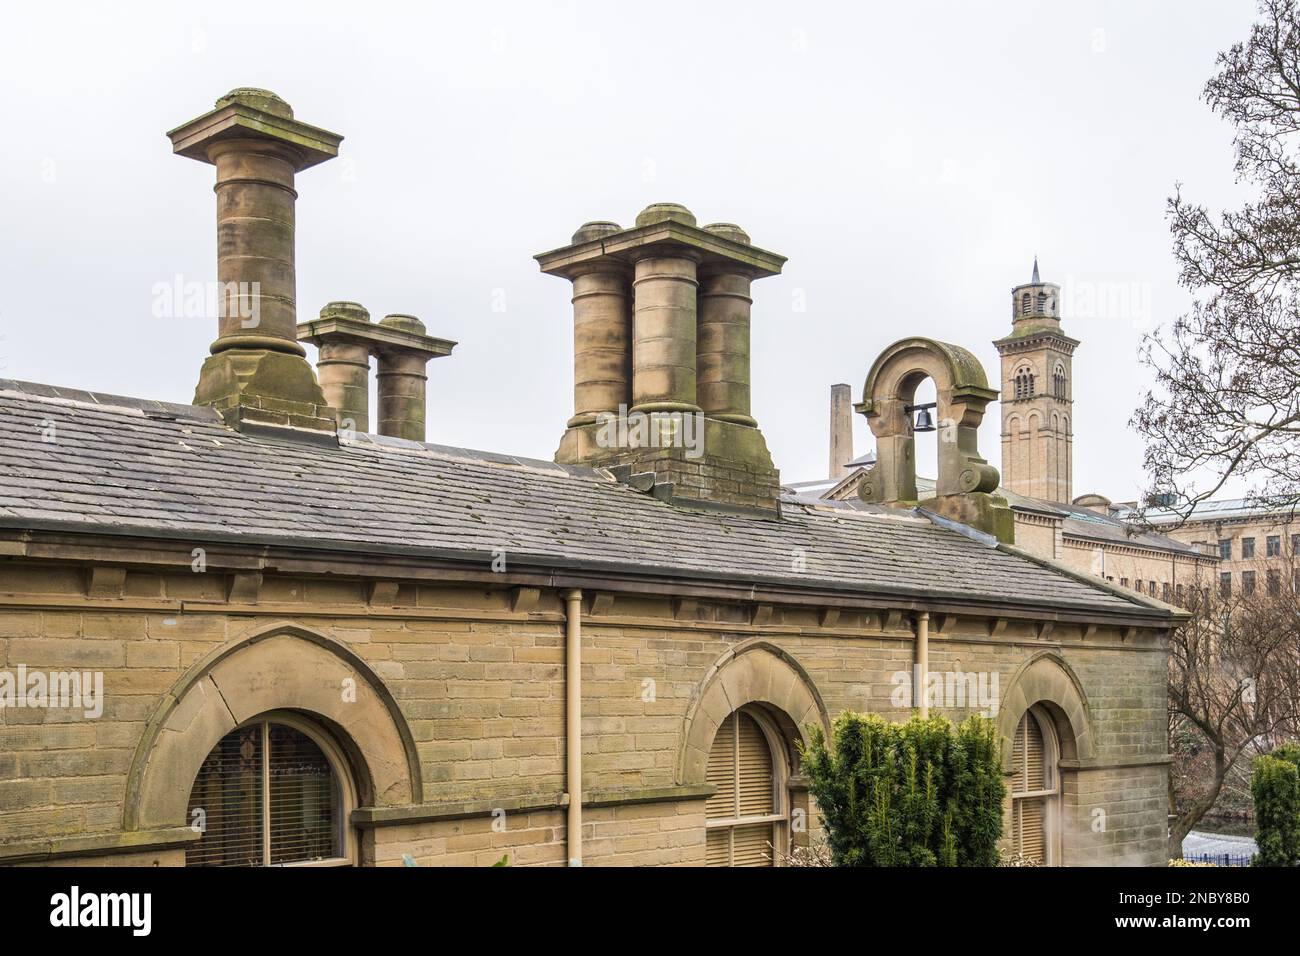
[1024,304]
[1024,384]
[1058,383]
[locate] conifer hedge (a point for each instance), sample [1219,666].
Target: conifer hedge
[922,793]
[1275,792]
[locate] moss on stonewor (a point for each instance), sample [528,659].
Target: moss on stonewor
[921,793]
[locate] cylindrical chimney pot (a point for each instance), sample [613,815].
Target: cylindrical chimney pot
[401,379]
[343,369]
[602,334]
[663,334]
[255,245]
[723,337]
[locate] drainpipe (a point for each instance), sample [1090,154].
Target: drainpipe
[573,721]
[923,660]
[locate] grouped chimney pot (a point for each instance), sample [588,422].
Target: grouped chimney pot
[345,310]
[404,322]
[594,230]
[664,212]
[347,339]
[729,230]
[661,331]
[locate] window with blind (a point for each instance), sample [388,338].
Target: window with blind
[746,812]
[1034,789]
[267,795]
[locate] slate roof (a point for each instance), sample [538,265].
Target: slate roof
[1076,522]
[1085,523]
[1221,510]
[129,466]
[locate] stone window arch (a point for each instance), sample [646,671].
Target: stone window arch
[760,682]
[278,668]
[1045,689]
[1058,382]
[755,672]
[1024,382]
[1025,304]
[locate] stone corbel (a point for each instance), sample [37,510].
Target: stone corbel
[106,583]
[524,600]
[383,593]
[245,586]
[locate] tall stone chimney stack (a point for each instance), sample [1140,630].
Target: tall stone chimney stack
[661,355]
[257,372]
[841,431]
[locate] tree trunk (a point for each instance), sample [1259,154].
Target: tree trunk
[1183,823]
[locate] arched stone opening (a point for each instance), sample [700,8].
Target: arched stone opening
[276,668]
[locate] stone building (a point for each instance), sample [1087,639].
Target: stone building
[244,631]
[1257,546]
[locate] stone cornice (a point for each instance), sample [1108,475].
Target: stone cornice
[316,557]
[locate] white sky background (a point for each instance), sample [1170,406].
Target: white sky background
[910,159]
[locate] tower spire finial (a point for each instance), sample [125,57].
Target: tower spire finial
[1035,278]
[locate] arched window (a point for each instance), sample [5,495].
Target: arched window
[1024,304]
[273,792]
[1024,383]
[1042,303]
[1058,382]
[748,811]
[1035,789]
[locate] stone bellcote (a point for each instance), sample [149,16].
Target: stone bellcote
[965,488]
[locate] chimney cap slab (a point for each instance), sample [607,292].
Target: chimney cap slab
[377,336]
[257,115]
[666,237]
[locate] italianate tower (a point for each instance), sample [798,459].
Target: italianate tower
[1037,434]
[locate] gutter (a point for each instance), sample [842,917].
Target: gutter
[565,572]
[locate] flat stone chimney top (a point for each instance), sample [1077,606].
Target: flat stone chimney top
[251,114]
[662,228]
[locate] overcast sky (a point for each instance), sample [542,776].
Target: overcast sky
[909,159]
